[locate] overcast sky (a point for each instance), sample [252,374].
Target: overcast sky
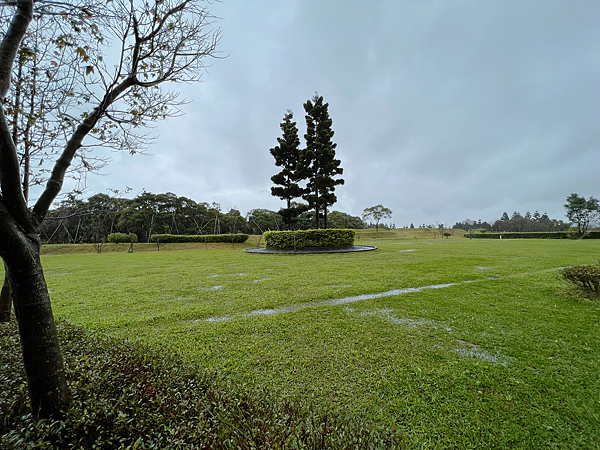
[442,110]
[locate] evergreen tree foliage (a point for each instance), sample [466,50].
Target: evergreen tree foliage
[287,156]
[318,164]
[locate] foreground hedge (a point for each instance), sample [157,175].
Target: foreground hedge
[128,396]
[203,238]
[595,234]
[309,238]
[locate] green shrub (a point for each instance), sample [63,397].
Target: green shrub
[204,238]
[522,235]
[309,238]
[585,278]
[122,238]
[594,234]
[128,396]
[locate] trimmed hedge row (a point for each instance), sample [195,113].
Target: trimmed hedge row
[309,238]
[535,235]
[122,238]
[202,238]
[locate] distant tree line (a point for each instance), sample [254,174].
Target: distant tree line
[517,223]
[94,219]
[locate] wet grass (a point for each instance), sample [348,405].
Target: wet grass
[506,357]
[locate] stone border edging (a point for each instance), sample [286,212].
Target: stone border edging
[269,251]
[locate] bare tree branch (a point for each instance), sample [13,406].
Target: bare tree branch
[54,185]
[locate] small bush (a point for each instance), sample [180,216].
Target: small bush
[122,238]
[238,238]
[309,238]
[585,278]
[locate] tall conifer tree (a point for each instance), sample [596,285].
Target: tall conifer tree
[287,156]
[318,163]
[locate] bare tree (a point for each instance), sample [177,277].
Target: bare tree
[161,41]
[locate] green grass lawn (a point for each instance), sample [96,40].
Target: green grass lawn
[507,356]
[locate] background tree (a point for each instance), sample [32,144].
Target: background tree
[376,213]
[582,212]
[318,164]
[287,156]
[261,220]
[337,219]
[165,41]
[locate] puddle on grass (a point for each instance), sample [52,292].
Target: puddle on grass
[216,319]
[386,314]
[404,251]
[339,301]
[213,276]
[215,288]
[474,351]
[332,302]
[262,279]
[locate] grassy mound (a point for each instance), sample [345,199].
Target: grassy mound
[128,396]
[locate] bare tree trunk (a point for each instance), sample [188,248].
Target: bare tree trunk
[47,384]
[77,232]
[55,231]
[5,300]
[150,231]
[5,297]
[174,223]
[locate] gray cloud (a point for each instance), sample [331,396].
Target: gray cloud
[442,110]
